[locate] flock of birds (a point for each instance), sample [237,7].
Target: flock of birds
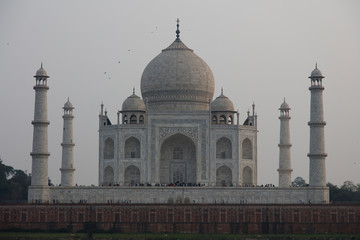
[108,76]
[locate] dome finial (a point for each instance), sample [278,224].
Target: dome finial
[41,65]
[177,30]
[316,65]
[134,90]
[222,91]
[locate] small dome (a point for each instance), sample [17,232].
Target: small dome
[284,106]
[316,73]
[133,103]
[41,72]
[68,105]
[222,104]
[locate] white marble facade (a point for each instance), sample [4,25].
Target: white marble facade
[178,148]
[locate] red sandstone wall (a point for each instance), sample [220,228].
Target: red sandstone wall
[185,218]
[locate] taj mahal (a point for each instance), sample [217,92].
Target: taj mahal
[177,143]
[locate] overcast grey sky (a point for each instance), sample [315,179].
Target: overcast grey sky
[258,51]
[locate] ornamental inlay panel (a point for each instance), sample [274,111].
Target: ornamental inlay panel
[191,132]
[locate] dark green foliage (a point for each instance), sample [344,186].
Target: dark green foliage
[348,192]
[298,182]
[14,183]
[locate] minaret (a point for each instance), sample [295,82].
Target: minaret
[317,153]
[40,154]
[284,146]
[67,168]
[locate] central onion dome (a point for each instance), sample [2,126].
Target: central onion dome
[177,79]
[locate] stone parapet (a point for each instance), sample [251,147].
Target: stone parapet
[208,195]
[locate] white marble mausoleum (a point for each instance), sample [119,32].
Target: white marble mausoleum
[177,143]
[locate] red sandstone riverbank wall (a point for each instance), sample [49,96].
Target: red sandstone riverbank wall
[182,218]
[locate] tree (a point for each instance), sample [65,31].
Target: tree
[349,186]
[348,192]
[298,182]
[14,183]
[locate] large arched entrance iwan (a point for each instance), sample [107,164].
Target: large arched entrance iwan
[178,160]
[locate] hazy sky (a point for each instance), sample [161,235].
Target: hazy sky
[258,51]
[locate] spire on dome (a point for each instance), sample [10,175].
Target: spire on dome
[222,91]
[284,106]
[68,105]
[134,90]
[316,73]
[177,30]
[41,72]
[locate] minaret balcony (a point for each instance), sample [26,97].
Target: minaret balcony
[317,155]
[317,123]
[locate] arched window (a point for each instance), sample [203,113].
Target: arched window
[108,149]
[133,119]
[108,175]
[223,148]
[141,119]
[230,120]
[125,120]
[247,177]
[223,176]
[132,176]
[178,153]
[247,151]
[132,148]
[222,119]
[214,119]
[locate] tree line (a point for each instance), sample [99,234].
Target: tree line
[348,192]
[14,184]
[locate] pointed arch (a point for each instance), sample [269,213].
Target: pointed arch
[132,176]
[230,120]
[247,149]
[108,175]
[125,119]
[222,119]
[133,119]
[223,176]
[247,177]
[214,119]
[178,160]
[132,148]
[223,148]
[108,151]
[141,119]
